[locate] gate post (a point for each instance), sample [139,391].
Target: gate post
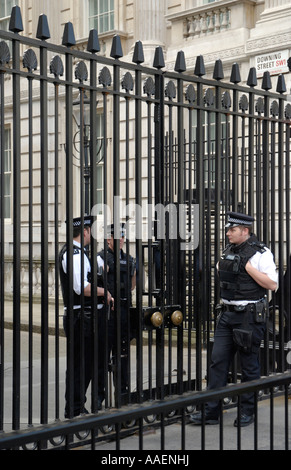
[16,26]
[159,199]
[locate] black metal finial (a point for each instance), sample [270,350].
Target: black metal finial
[260,106]
[116,49]
[170,90]
[274,108]
[69,35]
[56,66]
[199,66]
[149,86]
[288,111]
[127,82]
[93,41]
[226,100]
[29,60]
[252,78]
[15,24]
[138,56]
[243,103]
[218,70]
[4,53]
[190,94]
[43,31]
[281,85]
[266,83]
[81,71]
[180,65]
[159,62]
[105,77]
[235,73]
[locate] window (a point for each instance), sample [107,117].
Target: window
[7,174]
[209,143]
[5,12]
[101,15]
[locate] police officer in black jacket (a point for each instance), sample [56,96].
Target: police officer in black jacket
[246,271]
[80,376]
[127,284]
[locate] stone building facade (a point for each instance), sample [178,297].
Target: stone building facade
[253,33]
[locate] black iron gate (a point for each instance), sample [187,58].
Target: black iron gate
[167,153]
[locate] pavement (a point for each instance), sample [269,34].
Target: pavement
[270,418]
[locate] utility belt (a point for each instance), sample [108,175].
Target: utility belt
[77,311]
[243,336]
[260,309]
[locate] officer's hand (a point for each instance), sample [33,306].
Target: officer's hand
[110,300]
[248,266]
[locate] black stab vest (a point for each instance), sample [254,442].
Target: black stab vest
[64,280]
[235,282]
[125,283]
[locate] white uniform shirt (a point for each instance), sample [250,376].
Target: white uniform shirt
[77,259]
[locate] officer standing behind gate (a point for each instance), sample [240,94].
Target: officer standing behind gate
[246,271]
[127,273]
[78,404]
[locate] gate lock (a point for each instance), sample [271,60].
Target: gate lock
[170,316]
[173,316]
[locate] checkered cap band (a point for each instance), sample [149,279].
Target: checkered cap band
[235,218]
[87,221]
[239,221]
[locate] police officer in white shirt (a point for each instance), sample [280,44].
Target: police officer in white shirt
[79,257]
[246,271]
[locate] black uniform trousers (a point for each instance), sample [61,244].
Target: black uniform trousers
[82,376]
[224,349]
[107,340]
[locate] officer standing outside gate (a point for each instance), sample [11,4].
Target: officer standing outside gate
[127,284]
[246,271]
[80,376]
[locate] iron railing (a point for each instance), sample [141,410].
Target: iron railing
[165,140]
[122,425]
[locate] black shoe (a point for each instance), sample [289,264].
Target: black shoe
[245,420]
[77,413]
[100,403]
[196,418]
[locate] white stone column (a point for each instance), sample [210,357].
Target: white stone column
[150,25]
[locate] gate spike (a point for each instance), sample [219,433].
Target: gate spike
[252,78]
[159,62]
[15,24]
[281,85]
[266,83]
[116,49]
[235,74]
[43,31]
[138,56]
[199,66]
[218,71]
[69,35]
[93,41]
[180,65]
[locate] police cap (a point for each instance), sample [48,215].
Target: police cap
[236,218]
[110,230]
[88,220]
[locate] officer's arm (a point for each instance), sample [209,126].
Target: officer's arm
[100,292]
[133,281]
[261,278]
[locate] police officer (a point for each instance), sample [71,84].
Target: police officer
[127,284]
[78,282]
[246,271]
